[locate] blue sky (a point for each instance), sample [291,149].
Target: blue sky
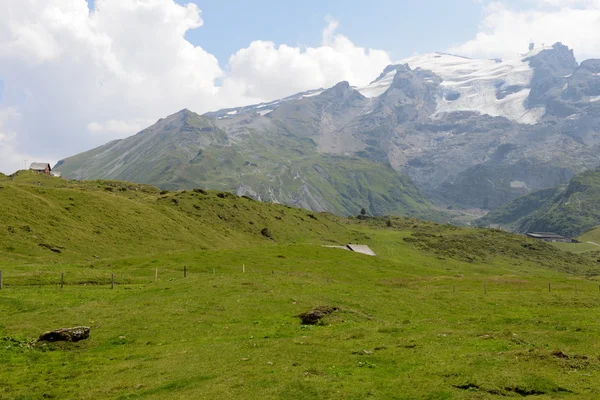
[400,27]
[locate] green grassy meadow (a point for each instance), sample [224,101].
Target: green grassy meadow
[440,313]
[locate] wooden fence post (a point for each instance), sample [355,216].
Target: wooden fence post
[155,274]
[185,271]
[244,268]
[62,280]
[549,289]
[0,279]
[112,281]
[485,288]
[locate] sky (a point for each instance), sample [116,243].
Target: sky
[75,74]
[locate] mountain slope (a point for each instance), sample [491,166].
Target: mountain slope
[468,133]
[511,214]
[266,160]
[569,210]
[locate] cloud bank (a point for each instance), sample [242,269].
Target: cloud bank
[75,78]
[505,30]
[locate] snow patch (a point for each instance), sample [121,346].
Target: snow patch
[232,112]
[518,185]
[536,51]
[378,87]
[264,112]
[477,82]
[318,92]
[594,99]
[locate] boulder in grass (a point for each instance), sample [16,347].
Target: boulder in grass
[315,315]
[66,335]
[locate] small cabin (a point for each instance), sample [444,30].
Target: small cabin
[42,168]
[549,237]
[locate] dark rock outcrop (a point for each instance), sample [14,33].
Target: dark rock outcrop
[314,316]
[66,335]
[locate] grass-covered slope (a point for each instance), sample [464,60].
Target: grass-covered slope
[44,218]
[52,219]
[440,313]
[511,214]
[568,211]
[266,160]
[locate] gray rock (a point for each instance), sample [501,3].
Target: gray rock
[66,335]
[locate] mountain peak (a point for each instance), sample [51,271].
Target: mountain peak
[342,86]
[558,58]
[341,90]
[185,112]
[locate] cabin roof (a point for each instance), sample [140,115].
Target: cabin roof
[36,166]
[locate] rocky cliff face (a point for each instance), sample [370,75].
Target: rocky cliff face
[468,133]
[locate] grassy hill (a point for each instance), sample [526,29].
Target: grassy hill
[593,235]
[512,214]
[569,210]
[440,313]
[111,219]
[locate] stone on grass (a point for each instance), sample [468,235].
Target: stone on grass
[66,335]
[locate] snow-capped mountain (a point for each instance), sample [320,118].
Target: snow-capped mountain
[469,133]
[498,88]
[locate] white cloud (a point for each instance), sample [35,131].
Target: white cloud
[9,158]
[329,31]
[505,30]
[266,70]
[78,78]
[114,129]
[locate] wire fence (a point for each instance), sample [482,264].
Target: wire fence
[147,276]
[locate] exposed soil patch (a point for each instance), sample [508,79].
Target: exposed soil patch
[314,316]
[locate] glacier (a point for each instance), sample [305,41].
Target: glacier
[492,87]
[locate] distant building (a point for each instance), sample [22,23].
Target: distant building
[549,237]
[42,168]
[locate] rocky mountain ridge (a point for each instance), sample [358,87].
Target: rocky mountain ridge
[468,134]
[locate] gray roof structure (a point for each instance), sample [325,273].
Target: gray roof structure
[37,166]
[545,235]
[361,248]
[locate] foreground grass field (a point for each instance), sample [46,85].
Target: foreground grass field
[440,313]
